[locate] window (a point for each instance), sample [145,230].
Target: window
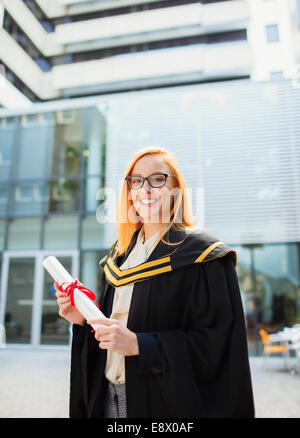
[276,75]
[7,136]
[2,234]
[3,199]
[66,143]
[90,274]
[91,187]
[298,11]
[61,232]
[35,132]
[64,195]
[24,233]
[92,233]
[272,33]
[28,199]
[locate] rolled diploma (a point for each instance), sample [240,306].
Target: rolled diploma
[83,303]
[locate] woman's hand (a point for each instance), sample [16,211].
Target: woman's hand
[114,337]
[66,310]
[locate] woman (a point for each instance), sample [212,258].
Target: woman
[174,341]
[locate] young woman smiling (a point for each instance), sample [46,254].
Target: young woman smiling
[174,340]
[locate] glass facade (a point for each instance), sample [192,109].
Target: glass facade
[51,163]
[51,166]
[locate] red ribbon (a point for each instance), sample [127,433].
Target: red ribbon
[69,291]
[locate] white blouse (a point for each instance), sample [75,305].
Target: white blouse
[115,363]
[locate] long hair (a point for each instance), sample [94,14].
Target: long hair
[180,215]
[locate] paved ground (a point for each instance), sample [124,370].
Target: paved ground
[35,383]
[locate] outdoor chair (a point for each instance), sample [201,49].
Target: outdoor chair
[271,347]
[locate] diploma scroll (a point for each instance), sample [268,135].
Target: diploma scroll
[83,303]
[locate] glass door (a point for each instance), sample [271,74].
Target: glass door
[19,301]
[54,329]
[29,312]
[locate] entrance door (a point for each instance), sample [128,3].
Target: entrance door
[29,311]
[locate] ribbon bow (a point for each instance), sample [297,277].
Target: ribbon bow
[69,290]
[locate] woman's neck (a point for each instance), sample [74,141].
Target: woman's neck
[150,229]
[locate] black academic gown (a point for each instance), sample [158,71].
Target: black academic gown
[188,296]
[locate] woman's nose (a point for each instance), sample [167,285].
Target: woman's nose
[146,187]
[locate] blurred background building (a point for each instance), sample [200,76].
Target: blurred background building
[85,84]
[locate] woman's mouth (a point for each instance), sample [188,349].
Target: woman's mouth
[148,202]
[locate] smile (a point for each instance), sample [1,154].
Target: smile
[148,201]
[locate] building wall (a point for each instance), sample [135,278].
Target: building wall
[237,140]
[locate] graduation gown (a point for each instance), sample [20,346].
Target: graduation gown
[188,296]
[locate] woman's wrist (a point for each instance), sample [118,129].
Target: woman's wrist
[135,349]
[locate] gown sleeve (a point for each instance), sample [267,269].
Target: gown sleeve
[205,366]
[149,358]
[77,407]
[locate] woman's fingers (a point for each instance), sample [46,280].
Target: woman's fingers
[63,300]
[105,345]
[102,333]
[63,309]
[60,295]
[103,321]
[56,285]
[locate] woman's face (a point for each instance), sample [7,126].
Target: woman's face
[158,210]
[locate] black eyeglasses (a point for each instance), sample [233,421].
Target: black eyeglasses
[155,180]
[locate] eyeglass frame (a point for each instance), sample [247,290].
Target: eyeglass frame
[146,178]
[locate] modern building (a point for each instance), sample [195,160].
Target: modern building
[61,48]
[87,83]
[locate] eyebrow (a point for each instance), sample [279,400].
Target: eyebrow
[158,171]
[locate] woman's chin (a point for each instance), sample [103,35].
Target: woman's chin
[149,218]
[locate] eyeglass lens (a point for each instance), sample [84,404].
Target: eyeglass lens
[135,182]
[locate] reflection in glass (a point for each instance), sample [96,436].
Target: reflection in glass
[24,233]
[61,232]
[95,146]
[19,300]
[29,199]
[90,272]
[92,233]
[66,143]
[2,233]
[7,134]
[270,288]
[3,200]
[54,328]
[36,131]
[91,187]
[64,195]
